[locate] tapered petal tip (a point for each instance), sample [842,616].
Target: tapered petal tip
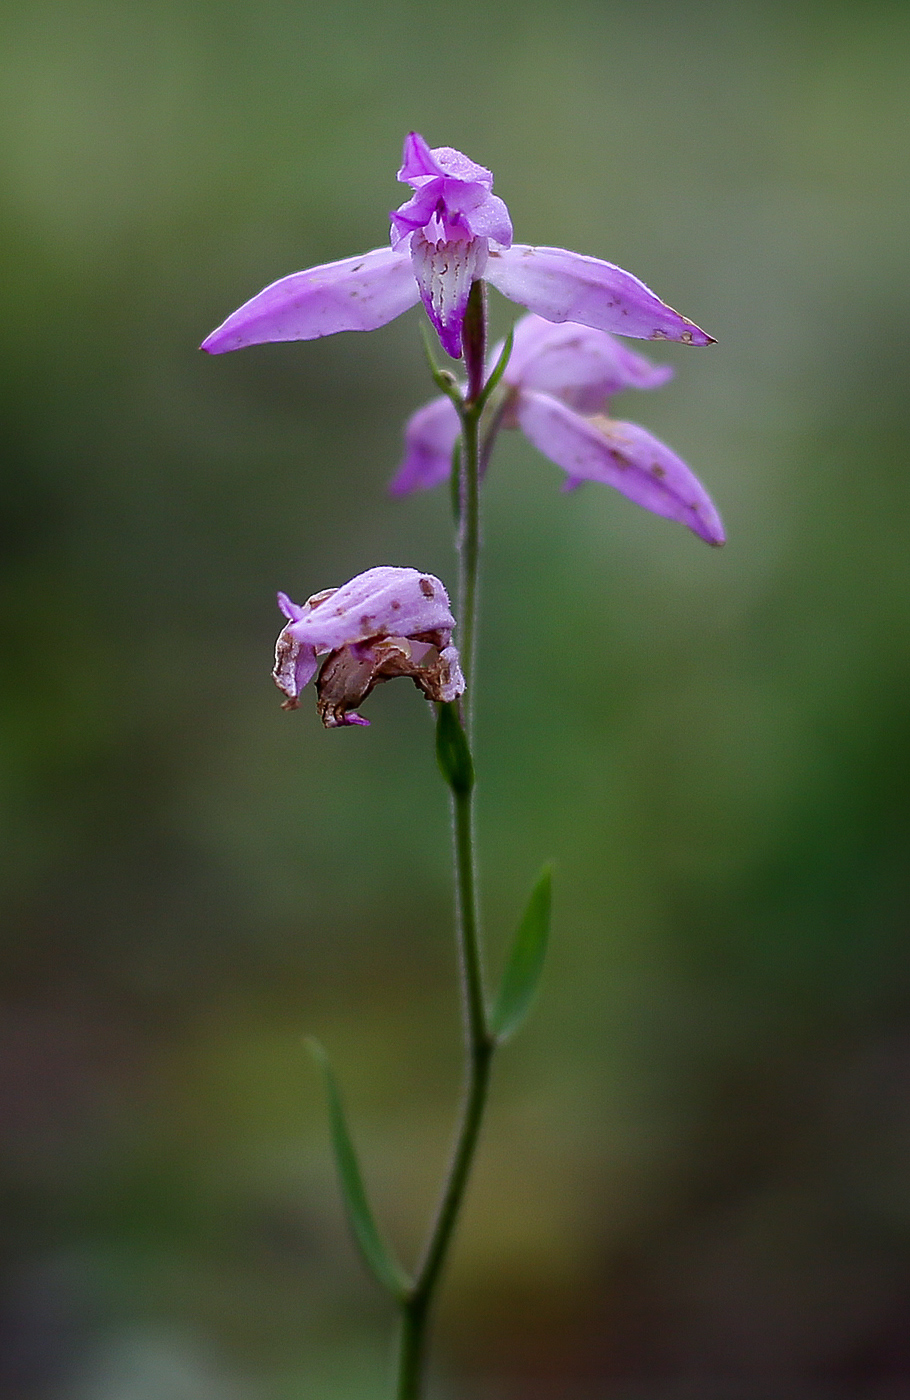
[346,721]
[563,286]
[686,334]
[216,343]
[702,519]
[416,159]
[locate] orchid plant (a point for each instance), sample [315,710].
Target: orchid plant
[553,377]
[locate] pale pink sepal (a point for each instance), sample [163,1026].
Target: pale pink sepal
[564,286]
[621,455]
[355,294]
[429,441]
[578,365]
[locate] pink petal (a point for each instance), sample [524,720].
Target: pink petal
[622,455]
[564,286]
[484,214]
[415,213]
[454,165]
[384,601]
[429,439]
[452,199]
[292,611]
[419,163]
[355,294]
[580,366]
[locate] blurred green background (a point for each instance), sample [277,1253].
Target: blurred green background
[696,1177]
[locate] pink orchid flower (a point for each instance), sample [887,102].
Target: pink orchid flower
[451,233]
[557,384]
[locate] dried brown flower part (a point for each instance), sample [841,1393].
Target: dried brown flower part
[384,623]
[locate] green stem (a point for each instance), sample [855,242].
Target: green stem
[411,1351]
[469,493]
[480,1044]
[418,1302]
[469,544]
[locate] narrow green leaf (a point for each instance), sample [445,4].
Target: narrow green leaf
[498,371]
[452,751]
[376,1253]
[526,959]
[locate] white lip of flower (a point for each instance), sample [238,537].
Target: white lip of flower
[384,623]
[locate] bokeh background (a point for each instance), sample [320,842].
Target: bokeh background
[696,1177]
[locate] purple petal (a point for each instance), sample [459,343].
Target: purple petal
[622,455]
[429,439]
[416,160]
[420,163]
[355,294]
[580,366]
[292,611]
[564,286]
[416,212]
[485,215]
[444,273]
[381,602]
[454,165]
[452,199]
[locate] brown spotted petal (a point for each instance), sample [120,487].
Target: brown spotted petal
[621,455]
[384,623]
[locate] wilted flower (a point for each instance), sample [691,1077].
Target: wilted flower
[556,389]
[450,233]
[384,623]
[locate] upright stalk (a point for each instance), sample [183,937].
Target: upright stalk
[417,1303]
[475,345]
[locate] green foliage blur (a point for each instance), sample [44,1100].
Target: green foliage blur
[695,1179]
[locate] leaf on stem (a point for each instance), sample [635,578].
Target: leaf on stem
[376,1253]
[497,372]
[526,958]
[453,754]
